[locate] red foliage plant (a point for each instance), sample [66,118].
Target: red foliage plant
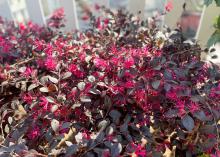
[127,89]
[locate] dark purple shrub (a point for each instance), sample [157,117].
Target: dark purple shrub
[119,89]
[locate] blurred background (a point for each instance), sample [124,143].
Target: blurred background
[193,17]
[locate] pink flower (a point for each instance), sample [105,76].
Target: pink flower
[28,72]
[73,68]
[85,17]
[44,103]
[22,26]
[30,24]
[49,50]
[38,45]
[114,60]
[27,98]
[82,56]
[158,53]
[129,63]
[106,21]
[99,24]
[50,63]
[100,63]
[72,94]
[180,105]
[97,7]
[75,71]
[139,150]
[211,135]
[169,6]
[86,135]
[106,153]
[117,89]
[140,95]
[34,133]
[214,92]
[79,74]
[171,95]
[128,75]
[129,84]
[56,20]
[193,107]
[58,13]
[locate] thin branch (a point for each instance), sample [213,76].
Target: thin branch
[22,62]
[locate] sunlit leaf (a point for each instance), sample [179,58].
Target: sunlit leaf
[66,75]
[44,89]
[32,86]
[55,124]
[53,79]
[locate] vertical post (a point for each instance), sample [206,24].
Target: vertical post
[206,23]
[35,11]
[69,7]
[200,22]
[134,6]
[5,10]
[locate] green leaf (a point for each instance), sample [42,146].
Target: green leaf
[217,2]
[208,2]
[214,39]
[218,22]
[155,84]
